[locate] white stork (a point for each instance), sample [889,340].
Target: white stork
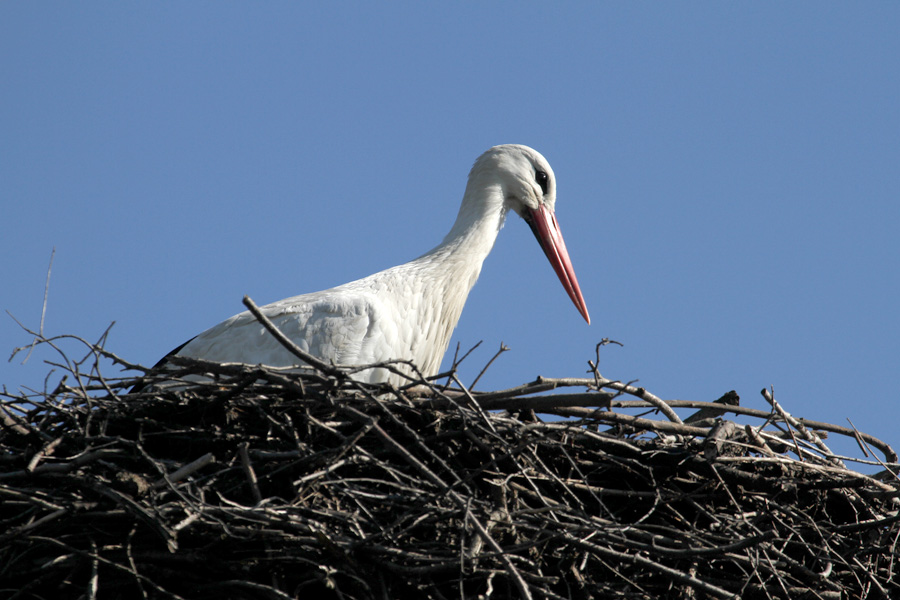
[407,311]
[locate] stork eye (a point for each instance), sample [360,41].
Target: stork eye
[542,180]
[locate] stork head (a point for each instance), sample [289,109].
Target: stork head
[528,187]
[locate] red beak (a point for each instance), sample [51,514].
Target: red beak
[543,223]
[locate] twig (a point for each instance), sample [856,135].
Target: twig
[247,466]
[806,433]
[186,471]
[639,392]
[37,339]
[288,344]
[503,348]
[456,362]
[544,403]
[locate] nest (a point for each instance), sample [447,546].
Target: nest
[257,483]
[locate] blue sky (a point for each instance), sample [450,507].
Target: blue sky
[728,180]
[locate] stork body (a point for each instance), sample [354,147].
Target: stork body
[408,311]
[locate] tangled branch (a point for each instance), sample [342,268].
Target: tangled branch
[257,482]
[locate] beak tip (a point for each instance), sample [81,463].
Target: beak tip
[584,313]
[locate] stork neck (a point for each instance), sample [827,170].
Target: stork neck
[480,218]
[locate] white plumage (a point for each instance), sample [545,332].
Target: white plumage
[408,311]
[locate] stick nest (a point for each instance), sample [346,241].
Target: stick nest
[258,483]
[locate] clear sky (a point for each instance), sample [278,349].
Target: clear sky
[728,175]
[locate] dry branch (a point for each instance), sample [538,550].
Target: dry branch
[262,483]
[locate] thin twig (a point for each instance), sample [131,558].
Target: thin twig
[288,344]
[503,348]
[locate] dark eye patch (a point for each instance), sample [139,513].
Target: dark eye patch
[542,180]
